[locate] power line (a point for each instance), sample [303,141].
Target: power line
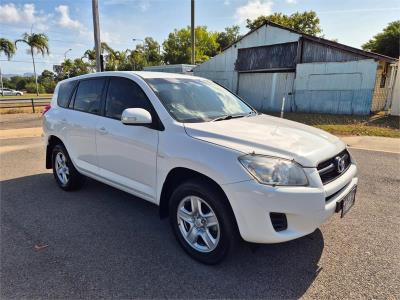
[50,39]
[27,61]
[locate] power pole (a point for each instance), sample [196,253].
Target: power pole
[193,33]
[96,31]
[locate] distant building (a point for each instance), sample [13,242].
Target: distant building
[180,68]
[313,74]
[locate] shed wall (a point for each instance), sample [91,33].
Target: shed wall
[317,52]
[335,87]
[221,67]
[395,107]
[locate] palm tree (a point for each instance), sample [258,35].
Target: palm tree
[38,42]
[8,48]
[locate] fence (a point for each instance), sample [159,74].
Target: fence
[24,102]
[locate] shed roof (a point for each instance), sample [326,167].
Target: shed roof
[322,41]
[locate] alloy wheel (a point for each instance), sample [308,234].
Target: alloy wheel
[62,169]
[198,224]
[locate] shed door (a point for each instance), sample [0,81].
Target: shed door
[265,91]
[335,87]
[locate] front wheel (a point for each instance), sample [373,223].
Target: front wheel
[201,221]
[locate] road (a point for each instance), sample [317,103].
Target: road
[103,243]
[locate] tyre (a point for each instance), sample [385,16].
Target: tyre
[202,221]
[67,177]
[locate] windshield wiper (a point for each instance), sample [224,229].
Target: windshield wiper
[228,117]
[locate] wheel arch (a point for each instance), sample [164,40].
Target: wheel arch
[51,142]
[180,174]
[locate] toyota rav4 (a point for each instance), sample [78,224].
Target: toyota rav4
[217,168]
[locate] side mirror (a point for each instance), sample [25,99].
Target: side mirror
[136,116]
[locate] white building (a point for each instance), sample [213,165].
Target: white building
[313,74]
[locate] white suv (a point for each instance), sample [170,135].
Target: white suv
[215,166]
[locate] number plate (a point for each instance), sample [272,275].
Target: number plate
[348,201]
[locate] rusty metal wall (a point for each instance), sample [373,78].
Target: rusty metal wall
[317,52]
[279,56]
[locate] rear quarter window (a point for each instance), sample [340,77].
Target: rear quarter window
[64,92]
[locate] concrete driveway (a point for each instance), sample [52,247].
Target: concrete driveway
[103,243]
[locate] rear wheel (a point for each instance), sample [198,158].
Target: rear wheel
[201,221]
[66,175]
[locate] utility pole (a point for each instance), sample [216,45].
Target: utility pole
[193,33]
[96,31]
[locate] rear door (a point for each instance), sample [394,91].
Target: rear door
[82,120]
[127,153]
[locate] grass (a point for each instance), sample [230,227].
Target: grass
[379,124]
[20,110]
[29,95]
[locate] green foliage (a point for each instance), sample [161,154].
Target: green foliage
[177,47]
[228,37]
[7,48]
[387,42]
[31,88]
[306,22]
[72,68]
[47,80]
[152,51]
[38,42]
[18,82]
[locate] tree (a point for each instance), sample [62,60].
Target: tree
[38,42]
[8,48]
[153,53]
[177,47]
[306,22]
[47,80]
[228,37]
[387,42]
[71,68]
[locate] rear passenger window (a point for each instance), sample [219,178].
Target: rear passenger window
[124,93]
[88,96]
[64,92]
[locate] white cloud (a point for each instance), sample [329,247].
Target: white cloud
[253,9]
[144,5]
[65,20]
[110,38]
[12,14]
[291,1]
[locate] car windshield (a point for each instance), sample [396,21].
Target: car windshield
[197,100]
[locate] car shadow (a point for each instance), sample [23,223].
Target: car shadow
[103,243]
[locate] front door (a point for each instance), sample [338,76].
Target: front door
[127,153]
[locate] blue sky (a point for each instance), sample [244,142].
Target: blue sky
[68,23]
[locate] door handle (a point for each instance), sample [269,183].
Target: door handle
[103,130]
[63,120]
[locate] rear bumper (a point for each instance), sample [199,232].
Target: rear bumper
[306,208]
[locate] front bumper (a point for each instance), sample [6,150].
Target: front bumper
[306,208]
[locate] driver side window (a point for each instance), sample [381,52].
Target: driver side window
[124,93]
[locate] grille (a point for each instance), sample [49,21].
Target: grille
[279,221]
[328,169]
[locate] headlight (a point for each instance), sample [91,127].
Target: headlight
[274,170]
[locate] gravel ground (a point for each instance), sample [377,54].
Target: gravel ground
[15,121]
[103,243]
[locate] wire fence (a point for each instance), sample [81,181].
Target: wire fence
[24,102]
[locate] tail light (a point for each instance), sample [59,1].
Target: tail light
[46,109]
